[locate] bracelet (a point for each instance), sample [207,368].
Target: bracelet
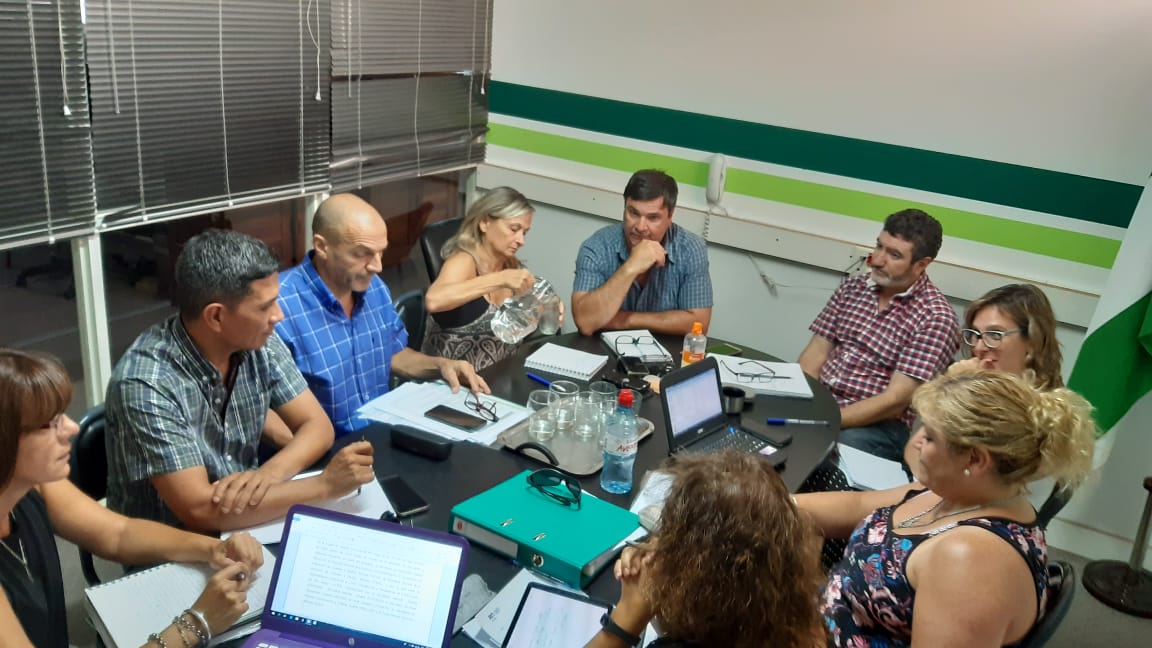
[180,623]
[611,628]
[155,636]
[205,634]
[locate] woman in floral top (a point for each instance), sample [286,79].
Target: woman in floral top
[956,559]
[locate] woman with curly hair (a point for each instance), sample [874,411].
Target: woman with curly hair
[957,559]
[730,565]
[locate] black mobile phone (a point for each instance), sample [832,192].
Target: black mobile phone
[633,366]
[456,418]
[723,348]
[774,434]
[403,498]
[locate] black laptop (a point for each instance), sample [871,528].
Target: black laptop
[694,416]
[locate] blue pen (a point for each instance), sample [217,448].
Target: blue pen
[792,421]
[542,381]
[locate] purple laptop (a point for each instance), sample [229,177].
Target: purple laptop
[343,580]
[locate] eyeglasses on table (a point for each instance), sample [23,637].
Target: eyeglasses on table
[561,488]
[484,409]
[750,371]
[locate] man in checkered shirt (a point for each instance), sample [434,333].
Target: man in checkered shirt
[883,334]
[649,274]
[188,402]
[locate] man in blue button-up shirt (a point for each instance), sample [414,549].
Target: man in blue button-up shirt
[339,322]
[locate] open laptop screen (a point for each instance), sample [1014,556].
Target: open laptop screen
[384,583]
[691,404]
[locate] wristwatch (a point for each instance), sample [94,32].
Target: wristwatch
[611,628]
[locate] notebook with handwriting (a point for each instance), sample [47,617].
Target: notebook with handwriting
[557,359]
[126,610]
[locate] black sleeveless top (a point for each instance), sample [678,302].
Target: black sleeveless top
[39,602]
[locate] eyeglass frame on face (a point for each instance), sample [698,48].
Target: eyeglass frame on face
[991,339]
[486,411]
[767,374]
[556,478]
[56,423]
[636,341]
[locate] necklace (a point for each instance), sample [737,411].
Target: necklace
[22,559]
[914,521]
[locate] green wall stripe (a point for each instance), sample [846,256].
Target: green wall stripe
[1051,192]
[982,228]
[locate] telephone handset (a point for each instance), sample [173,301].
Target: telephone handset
[717,176]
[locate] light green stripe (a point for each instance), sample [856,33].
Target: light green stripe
[993,230]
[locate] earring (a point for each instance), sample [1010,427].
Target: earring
[967,473]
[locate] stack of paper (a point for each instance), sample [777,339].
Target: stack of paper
[565,361]
[637,344]
[407,403]
[785,379]
[126,610]
[868,472]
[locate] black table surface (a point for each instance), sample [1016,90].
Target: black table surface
[472,468]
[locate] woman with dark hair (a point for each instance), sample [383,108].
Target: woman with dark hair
[731,564]
[957,559]
[37,501]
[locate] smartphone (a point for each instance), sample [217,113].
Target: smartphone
[633,366]
[456,418]
[405,500]
[723,348]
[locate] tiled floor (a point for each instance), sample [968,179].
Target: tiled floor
[40,318]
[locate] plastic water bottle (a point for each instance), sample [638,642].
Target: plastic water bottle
[620,440]
[694,345]
[520,315]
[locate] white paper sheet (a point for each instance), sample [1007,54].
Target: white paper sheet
[869,472]
[489,627]
[371,502]
[787,379]
[407,403]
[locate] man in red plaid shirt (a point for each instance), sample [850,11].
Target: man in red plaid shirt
[883,334]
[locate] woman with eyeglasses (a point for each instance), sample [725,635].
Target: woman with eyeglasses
[480,271]
[37,501]
[957,559]
[730,564]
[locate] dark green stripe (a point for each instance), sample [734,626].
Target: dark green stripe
[1051,192]
[1114,367]
[992,230]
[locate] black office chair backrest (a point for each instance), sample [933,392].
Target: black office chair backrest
[433,239]
[1061,589]
[89,471]
[1051,506]
[410,308]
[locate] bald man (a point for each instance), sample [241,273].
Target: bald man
[339,322]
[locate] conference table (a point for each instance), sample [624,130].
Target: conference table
[473,468]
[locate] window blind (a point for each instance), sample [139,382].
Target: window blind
[46,137]
[205,105]
[409,89]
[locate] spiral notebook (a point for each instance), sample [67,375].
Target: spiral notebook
[574,363]
[126,610]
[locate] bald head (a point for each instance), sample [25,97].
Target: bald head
[348,239]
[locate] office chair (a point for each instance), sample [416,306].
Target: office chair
[433,239]
[410,308]
[89,462]
[1061,589]
[1056,500]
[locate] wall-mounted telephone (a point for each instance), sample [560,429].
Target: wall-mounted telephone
[717,175]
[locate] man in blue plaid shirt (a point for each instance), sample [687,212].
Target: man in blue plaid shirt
[649,274]
[187,404]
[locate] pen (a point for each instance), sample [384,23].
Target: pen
[361,487]
[542,381]
[792,421]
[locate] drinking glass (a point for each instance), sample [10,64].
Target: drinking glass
[542,422]
[589,415]
[565,409]
[607,393]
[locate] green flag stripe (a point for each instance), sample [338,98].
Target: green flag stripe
[1114,367]
[1002,232]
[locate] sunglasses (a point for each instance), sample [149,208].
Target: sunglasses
[549,481]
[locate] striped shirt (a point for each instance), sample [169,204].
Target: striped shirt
[347,361]
[683,282]
[917,335]
[168,409]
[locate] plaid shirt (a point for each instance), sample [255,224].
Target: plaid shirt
[168,409]
[917,335]
[682,283]
[346,361]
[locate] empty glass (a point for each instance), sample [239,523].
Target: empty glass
[607,393]
[589,415]
[565,408]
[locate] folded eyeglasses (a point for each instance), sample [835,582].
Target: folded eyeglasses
[561,488]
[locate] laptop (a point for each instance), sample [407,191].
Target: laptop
[344,580]
[554,617]
[694,417]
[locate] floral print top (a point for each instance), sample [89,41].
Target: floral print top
[868,601]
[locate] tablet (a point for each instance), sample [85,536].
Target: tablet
[554,617]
